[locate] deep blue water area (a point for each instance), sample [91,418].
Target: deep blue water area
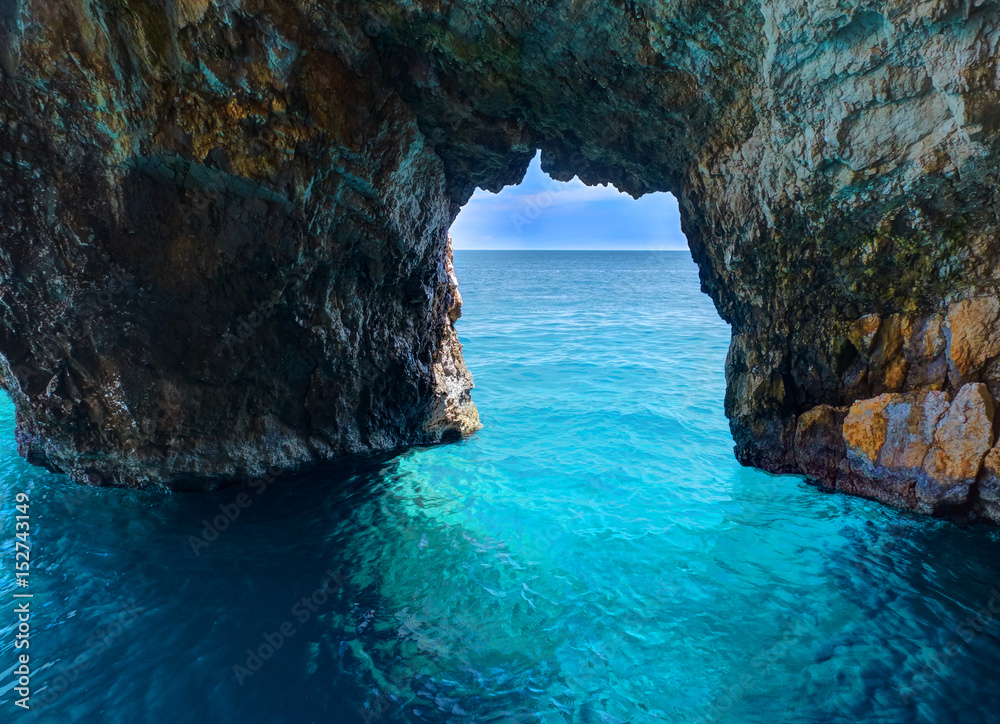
[595,554]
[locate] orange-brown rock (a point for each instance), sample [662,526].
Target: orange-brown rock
[961,440]
[988,500]
[819,441]
[863,332]
[925,349]
[974,333]
[962,437]
[866,426]
[926,440]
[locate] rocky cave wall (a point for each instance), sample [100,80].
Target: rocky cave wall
[224,224]
[224,246]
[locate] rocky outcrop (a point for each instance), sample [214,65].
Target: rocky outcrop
[928,448]
[224,247]
[224,221]
[920,450]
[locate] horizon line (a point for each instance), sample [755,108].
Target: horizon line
[688,250]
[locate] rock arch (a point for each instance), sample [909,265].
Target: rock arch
[224,222]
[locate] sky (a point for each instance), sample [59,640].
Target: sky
[542,213]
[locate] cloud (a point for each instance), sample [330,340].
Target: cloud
[541,213]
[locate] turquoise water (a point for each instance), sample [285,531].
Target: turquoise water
[594,554]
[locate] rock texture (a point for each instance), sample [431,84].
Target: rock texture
[224,221]
[224,246]
[922,448]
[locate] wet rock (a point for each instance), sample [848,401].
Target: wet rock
[820,449]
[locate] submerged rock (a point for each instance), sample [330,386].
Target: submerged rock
[224,224]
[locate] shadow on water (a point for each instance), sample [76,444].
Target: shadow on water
[314,598]
[368,594]
[848,611]
[925,599]
[595,554]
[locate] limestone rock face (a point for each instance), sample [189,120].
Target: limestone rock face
[224,222]
[921,449]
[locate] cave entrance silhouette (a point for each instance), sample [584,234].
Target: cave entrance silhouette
[542,213]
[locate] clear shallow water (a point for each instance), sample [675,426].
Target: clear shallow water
[595,554]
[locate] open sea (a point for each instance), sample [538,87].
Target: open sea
[595,554]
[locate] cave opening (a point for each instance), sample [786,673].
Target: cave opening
[543,213]
[224,271]
[585,298]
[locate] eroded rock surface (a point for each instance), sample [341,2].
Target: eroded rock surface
[224,230]
[923,449]
[224,247]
